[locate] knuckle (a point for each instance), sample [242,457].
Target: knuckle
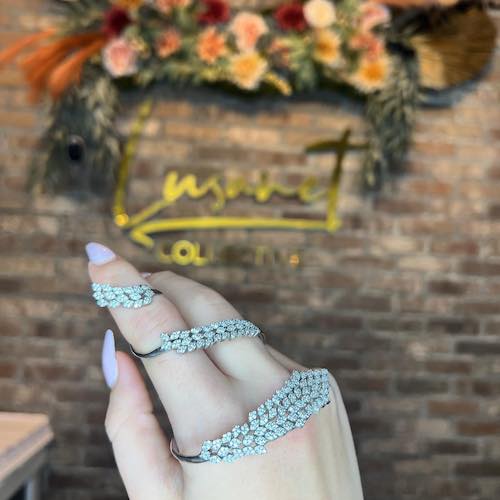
[115,273]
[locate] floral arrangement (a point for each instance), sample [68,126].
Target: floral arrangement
[371,48]
[291,47]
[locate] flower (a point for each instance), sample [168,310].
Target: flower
[248,28]
[279,50]
[119,58]
[372,14]
[290,16]
[367,42]
[247,69]
[327,47]
[216,11]
[166,6]
[168,43]
[116,20]
[211,45]
[371,74]
[319,13]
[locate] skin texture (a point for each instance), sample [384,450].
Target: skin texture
[205,393]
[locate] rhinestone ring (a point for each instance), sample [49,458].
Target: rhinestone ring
[202,337]
[130,297]
[302,395]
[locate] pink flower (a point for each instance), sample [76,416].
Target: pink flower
[119,58]
[248,28]
[367,42]
[372,14]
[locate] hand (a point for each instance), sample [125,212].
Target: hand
[205,393]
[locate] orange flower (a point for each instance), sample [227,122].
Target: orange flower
[372,73]
[168,43]
[327,47]
[248,28]
[247,69]
[211,45]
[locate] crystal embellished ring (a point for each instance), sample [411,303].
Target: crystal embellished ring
[203,337]
[302,395]
[130,297]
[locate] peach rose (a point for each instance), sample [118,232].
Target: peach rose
[119,58]
[247,69]
[211,45]
[248,28]
[372,14]
[168,43]
[367,42]
[319,13]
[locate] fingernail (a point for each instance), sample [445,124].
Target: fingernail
[99,254]
[145,275]
[108,359]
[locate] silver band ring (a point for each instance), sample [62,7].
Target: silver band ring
[202,337]
[289,408]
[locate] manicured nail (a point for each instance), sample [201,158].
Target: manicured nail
[99,254]
[145,275]
[108,359]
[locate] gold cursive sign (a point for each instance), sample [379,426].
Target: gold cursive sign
[142,225]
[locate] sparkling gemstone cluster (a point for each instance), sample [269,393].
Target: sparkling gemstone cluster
[204,336]
[125,296]
[302,395]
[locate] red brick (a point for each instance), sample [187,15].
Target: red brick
[452,407]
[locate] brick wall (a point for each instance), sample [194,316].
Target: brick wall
[401,304]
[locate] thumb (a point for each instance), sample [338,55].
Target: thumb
[142,455]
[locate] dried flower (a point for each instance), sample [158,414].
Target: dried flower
[247,69]
[290,16]
[119,58]
[279,50]
[168,43]
[248,28]
[211,45]
[129,4]
[319,13]
[216,11]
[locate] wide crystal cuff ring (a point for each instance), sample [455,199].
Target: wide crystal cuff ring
[302,395]
[130,297]
[202,337]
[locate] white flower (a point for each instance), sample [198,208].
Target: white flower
[319,13]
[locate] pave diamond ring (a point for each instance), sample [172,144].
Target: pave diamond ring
[130,297]
[202,337]
[302,395]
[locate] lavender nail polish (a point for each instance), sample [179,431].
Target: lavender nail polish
[108,359]
[99,254]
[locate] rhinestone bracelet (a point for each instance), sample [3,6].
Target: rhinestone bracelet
[302,395]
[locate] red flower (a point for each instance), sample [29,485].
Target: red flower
[216,11]
[116,20]
[290,16]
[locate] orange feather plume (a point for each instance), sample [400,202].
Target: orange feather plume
[69,72]
[10,53]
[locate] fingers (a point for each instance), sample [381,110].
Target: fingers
[141,452]
[285,361]
[178,379]
[241,358]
